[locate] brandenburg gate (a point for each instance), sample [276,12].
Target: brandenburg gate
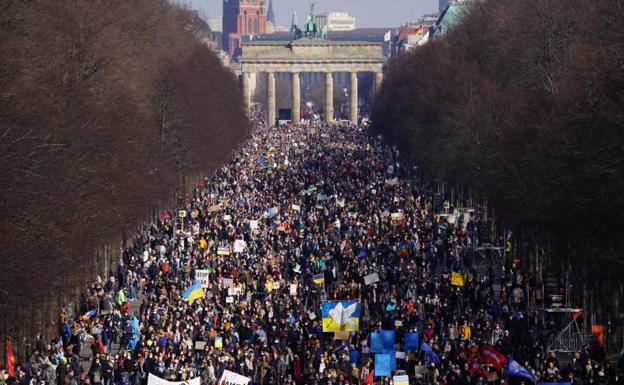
[310,54]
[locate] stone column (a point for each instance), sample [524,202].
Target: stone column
[353,102]
[296,97]
[271,98]
[378,81]
[329,97]
[246,93]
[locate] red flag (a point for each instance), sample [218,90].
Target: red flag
[491,356]
[10,359]
[577,314]
[369,378]
[475,368]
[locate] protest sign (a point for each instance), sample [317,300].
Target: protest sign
[239,245]
[234,291]
[342,335]
[200,345]
[400,355]
[203,277]
[227,282]
[340,315]
[229,299]
[293,289]
[382,342]
[227,217]
[397,216]
[223,250]
[410,343]
[384,364]
[400,380]
[214,208]
[253,224]
[371,278]
[296,207]
[232,378]
[155,380]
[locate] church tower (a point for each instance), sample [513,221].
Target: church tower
[242,19]
[270,13]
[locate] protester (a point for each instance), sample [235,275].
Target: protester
[294,203]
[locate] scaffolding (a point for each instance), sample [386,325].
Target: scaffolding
[569,336]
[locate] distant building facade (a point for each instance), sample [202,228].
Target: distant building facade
[242,19]
[215,24]
[336,21]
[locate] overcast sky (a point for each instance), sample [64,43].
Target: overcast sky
[368,13]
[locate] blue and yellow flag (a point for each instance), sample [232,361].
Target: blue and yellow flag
[319,278]
[340,316]
[194,292]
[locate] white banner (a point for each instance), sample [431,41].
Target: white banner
[202,277]
[155,380]
[231,378]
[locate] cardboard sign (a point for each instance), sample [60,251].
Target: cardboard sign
[202,277]
[342,335]
[400,380]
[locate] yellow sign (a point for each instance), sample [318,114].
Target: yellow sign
[457,279]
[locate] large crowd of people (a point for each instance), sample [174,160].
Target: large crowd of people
[295,202]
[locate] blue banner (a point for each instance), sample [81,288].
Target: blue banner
[411,342]
[384,364]
[382,342]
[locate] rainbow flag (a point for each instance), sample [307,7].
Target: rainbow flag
[319,278]
[194,292]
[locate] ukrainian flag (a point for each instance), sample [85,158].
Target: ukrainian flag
[192,293]
[319,278]
[340,316]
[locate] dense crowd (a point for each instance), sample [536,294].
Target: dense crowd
[306,201]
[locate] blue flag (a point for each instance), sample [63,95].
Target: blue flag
[136,333]
[411,342]
[431,356]
[354,355]
[383,365]
[514,369]
[382,342]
